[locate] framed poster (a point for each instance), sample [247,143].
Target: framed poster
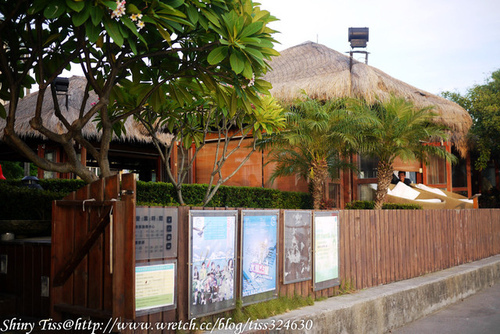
[297,257]
[326,250]
[155,286]
[259,251]
[212,261]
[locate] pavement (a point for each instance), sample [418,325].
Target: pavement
[479,313]
[397,307]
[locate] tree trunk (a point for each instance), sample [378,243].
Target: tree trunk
[384,178]
[319,174]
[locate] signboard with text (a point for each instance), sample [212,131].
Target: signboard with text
[326,250]
[155,287]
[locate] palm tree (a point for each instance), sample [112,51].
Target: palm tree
[396,128]
[316,137]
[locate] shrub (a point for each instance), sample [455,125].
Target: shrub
[25,203]
[61,185]
[226,196]
[368,205]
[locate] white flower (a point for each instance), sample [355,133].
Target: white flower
[140,25]
[252,81]
[136,17]
[120,9]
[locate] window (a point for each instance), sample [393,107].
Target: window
[436,171]
[459,174]
[334,194]
[50,156]
[366,192]
[367,167]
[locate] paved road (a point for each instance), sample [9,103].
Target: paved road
[477,314]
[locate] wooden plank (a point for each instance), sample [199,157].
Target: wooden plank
[46,264]
[495,217]
[423,239]
[392,225]
[27,263]
[378,256]
[416,242]
[80,274]
[183,264]
[118,287]
[384,249]
[95,255]
[357,258]
[368,228]
[61,250]
[405,254]
[363,250]
[347,227]
[129,198]
[111,190]
[410,244]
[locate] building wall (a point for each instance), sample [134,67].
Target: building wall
[254,173]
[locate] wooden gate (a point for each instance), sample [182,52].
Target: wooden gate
[93,251]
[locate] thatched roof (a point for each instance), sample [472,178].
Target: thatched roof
[323,73]
[26,110]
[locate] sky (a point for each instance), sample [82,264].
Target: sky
[434,45]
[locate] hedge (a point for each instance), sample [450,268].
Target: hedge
[369,205]
[23,203]
[18,202]
[151,193]
[57,185]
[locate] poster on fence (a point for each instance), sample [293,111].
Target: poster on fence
[326,250]
[259,253]
[155,287]
[212,261]
[297,257]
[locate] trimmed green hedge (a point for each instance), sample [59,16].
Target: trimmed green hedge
[57,185]
[17,202]
[24,203]
[149,193]
[369,205]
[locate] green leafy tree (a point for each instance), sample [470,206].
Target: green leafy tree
[203,120]
[157,47]
[312,145]
[396,128]
[483,104]
[13,170]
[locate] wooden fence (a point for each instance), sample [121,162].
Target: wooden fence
[24,278]
[376,247]
[92,271]
[93,257]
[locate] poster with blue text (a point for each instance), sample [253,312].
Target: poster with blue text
[259,249]
[212,258]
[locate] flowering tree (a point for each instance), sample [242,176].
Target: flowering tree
[164,50]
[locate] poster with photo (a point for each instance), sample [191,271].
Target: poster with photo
[326,250]
[298,246]
[213,244]
[259,252]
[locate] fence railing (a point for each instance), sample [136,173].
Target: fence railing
[93,259]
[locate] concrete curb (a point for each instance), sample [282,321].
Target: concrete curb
[386,307]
